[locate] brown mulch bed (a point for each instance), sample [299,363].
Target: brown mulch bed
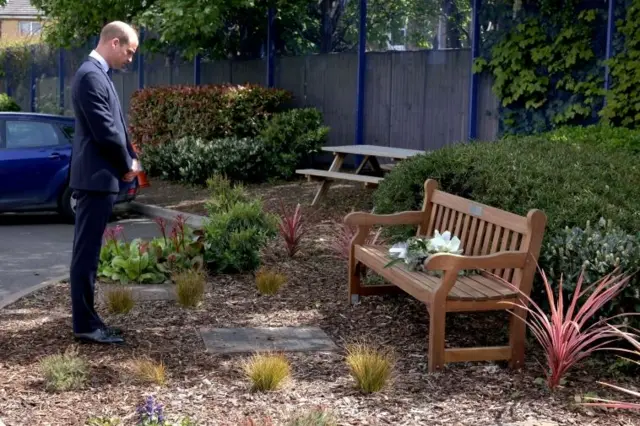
[212,389]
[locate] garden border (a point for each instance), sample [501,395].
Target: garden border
[154,211]
[13,298]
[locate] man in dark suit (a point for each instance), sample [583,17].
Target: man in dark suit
[102,156]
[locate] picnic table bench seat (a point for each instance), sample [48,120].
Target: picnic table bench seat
[498,247]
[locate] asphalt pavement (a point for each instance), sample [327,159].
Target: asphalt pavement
[37,247]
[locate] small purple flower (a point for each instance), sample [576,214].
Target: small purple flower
[151,413]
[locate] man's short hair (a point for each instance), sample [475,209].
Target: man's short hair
[118,30]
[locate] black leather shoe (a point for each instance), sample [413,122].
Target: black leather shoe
[99,336]
[113,331]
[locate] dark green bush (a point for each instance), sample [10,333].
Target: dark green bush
[292,137]
[234,238]
[614,138]
[597,249]
[194,160]
[571,183]
[7,103]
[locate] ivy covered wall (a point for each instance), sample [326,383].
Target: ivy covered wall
[547,58]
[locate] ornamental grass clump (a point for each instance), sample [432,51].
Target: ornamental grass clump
[267,372]
[370,367]
[63,372]
[119,300]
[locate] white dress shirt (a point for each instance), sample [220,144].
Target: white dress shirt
[99,58]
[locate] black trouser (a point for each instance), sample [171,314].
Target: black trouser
[93,211]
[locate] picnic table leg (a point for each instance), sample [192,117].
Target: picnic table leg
[373,161]
[336,165]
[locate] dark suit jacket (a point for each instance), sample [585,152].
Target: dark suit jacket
[102,153]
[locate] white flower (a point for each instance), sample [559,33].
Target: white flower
[399,250]
[443,243]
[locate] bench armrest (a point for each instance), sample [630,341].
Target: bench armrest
[370,219]
[456,262]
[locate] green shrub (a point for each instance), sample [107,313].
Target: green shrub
[607,136]
[292,137]
[599,250]
[193,160]
[224,194]
[7,103]
[233,239]
[163,114]
[571,183]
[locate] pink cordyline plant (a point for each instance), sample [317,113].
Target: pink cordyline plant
[291,229]
[564,336]
[606,403]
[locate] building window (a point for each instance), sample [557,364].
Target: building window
[28,28]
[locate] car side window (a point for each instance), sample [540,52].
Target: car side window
[30,134]
[68,132]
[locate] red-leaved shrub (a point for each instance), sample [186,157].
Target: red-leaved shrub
[160,114]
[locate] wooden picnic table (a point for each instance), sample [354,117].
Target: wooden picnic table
[371,153]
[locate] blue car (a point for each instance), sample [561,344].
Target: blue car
[35,154]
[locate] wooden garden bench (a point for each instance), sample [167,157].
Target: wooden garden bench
[495,242]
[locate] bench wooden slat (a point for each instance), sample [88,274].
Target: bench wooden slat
[472,288]
[374,151]
[340,176]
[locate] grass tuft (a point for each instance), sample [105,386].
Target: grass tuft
[149,371]
[190,287]
[64,372]
[317,417]
[269,282]
[370,367]
[267,372]
[119,300]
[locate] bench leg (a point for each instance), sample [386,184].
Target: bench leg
[354,282]
[336,165]
[437,318]
[517,338]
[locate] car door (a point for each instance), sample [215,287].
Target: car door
[33,152]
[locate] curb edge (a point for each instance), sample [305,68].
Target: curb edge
[13,298]
[151,210]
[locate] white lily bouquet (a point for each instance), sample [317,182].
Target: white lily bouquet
[416,250]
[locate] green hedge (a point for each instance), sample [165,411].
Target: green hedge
[613,138]
[162,114]
[288,139]
[571,183]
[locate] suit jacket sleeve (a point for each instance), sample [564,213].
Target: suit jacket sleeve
[94,105]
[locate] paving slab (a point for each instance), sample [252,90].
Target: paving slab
[144,292]
[265,339]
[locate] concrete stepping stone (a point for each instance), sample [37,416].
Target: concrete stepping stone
[145,292]
[263,339]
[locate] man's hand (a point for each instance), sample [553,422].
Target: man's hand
[129,177]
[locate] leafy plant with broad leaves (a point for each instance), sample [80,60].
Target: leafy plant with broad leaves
[565,337]
[291,227]
[127,262]
[180,248]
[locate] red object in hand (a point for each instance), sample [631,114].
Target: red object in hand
[143,181]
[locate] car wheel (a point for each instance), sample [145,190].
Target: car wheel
[67,205]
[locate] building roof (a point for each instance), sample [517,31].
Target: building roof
[19,8]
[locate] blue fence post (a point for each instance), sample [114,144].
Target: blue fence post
[141,62]
[196,70]
[473,86]
[608,54]
[61,78]
[32,80]
[362,72]
[270,46]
